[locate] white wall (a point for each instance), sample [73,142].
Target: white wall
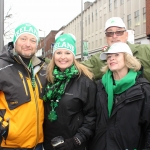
[142,41]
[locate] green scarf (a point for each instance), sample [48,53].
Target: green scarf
[54,92]
[119,87]
[30,67]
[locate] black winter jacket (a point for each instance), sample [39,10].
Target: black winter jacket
[128,127]
[76,113]
[21,104]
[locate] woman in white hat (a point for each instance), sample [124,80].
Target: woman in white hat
[123,103]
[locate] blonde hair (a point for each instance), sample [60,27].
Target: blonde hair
[130,61]
[81,68]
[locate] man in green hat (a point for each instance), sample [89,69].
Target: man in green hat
[116,31]
[22,78]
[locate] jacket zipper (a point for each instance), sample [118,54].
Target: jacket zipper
[35,98]
[39,83]
[39,79]
[133,97]
[25,87]
[37,110]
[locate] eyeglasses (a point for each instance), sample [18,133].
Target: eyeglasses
[118,33]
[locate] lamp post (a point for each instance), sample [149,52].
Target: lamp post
[2,24]
[44,41]
[81,30]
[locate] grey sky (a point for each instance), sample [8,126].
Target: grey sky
[44,14]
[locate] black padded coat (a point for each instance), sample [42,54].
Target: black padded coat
[128,127]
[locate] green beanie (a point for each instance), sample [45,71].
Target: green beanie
[25,28]
[65,41]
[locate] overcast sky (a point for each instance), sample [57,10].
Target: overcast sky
[46,15]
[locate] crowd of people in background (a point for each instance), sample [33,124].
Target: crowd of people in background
[102,103]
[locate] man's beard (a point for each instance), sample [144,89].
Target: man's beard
[29,55]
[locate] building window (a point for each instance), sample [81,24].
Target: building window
[96,14]
[144,14]
[115,3]
[89,19]
[110,5]
[80,25]
[85,21]
[137,17]
[129,21]
[96,43]
[100,13]
[121,2]
[92,17]
[100,41]
[100,24]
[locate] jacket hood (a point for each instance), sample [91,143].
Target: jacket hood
[10,57]
[7,56]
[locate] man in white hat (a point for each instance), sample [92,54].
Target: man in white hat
[116,31]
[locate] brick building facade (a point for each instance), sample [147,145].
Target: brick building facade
[148,18]
[46,44]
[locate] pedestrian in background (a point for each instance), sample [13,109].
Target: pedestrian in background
[22,80]
[69,98]
[122,103]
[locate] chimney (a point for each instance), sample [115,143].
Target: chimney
[87,4]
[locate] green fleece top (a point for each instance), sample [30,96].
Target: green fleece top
[141,51]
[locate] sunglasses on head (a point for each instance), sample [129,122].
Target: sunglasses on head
[118,33]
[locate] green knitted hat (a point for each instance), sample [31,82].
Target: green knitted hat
[65,41]
[25,28]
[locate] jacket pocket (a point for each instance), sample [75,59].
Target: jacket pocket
[24,84]
[41,83]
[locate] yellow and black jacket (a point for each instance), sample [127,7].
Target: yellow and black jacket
[21,105]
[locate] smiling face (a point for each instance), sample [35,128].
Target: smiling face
[26,45]
[63,58]
[117,36]
[116,62]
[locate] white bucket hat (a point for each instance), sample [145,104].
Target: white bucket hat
[116,48]
[114,22]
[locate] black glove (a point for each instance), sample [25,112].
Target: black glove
[69,144]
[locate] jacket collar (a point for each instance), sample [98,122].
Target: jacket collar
[35,60]
[132,47]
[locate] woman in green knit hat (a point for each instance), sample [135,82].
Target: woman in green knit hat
[69,98]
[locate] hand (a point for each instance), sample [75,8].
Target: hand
[69,144]
[104,48]
[3,128]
